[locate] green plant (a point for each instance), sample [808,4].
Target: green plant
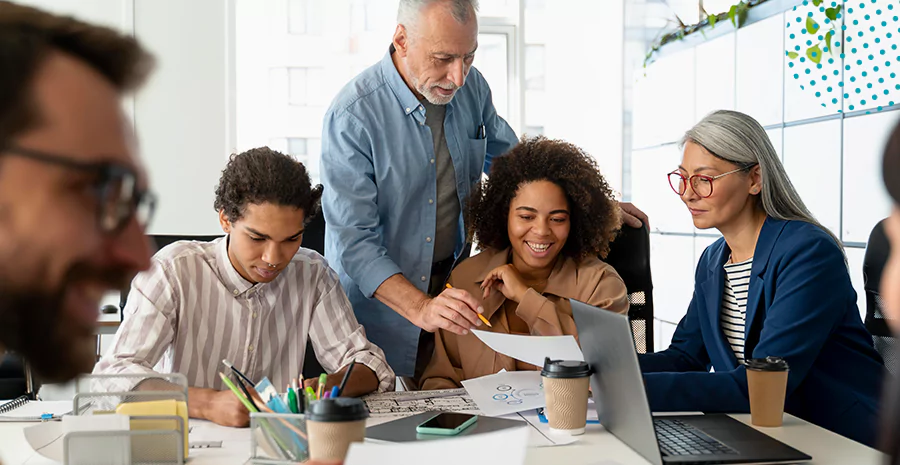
[814,52]
[737,14]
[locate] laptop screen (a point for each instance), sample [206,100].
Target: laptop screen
[622,406]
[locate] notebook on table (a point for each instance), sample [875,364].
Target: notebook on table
[24,409]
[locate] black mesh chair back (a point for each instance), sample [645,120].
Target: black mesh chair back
[12,376]
[313,239]
[877,251]
[630,255]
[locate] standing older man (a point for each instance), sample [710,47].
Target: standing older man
[402,144]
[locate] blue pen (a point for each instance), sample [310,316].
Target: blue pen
[543,418]
[334,392]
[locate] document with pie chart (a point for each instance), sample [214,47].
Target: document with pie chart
[506,392]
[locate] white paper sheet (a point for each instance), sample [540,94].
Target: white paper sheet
[46,439]
[532,349]
[31,411]
[540,435]
[506,447]
[505,393]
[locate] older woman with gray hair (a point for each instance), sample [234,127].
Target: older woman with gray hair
[776,284]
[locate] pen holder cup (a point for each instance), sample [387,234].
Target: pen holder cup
[128,447]
[278,438]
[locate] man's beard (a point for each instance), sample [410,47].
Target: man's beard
[35,324]
[433,97]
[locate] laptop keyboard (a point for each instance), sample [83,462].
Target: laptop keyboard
[678,438]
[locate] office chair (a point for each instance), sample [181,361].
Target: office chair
[877,250]
[629,254]
[13,377]
[313,239]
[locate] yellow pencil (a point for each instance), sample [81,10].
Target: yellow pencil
[488,323]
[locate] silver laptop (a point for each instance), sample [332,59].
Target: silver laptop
[623,409]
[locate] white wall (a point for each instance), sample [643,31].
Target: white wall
[833,159]
[183,115]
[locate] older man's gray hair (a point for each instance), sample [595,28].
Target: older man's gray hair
[408,13]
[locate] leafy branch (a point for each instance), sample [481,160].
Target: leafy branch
[737,15]
[814,52]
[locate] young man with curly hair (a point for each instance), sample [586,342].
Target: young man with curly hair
[253,297]
[542,219]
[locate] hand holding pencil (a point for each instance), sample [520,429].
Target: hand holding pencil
[454,310]
[480,310]
[224,408]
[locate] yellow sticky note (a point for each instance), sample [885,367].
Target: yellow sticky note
[168,407]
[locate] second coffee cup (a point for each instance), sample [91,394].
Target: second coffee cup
[333,424]
[767,384]
[566,386]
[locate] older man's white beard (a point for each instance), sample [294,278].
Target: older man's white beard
[437,99]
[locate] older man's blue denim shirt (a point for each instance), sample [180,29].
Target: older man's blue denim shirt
[380,181]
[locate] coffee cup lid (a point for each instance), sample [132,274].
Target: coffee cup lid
[767,364]
[565,369]
[338,409]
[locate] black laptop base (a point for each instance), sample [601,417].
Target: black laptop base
[734,442]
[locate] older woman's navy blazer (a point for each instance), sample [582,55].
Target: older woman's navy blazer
[800,306]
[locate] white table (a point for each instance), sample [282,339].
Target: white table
[596,445]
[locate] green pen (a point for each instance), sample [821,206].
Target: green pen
[323,380]
[310,394]
[237,393]
[292,399]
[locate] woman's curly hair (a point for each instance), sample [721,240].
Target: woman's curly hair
[262,175]
[593,213]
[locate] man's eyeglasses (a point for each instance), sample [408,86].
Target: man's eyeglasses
[115,186]
[702,185]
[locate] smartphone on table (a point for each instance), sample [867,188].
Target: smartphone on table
[447,424]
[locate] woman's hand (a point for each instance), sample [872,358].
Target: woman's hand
[507,280]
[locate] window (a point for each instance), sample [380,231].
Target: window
[296,146]
[297,86]
[306,150]
[304,86]
[534,67]
[304,17]
[497,8]
[492,60]
[532,131]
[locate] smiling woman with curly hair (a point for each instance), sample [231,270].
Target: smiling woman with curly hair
[541,219]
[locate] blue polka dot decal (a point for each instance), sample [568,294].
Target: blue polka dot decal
[862,70]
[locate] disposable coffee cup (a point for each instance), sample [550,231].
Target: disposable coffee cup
[566,385]
[332,425]
[767,383]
